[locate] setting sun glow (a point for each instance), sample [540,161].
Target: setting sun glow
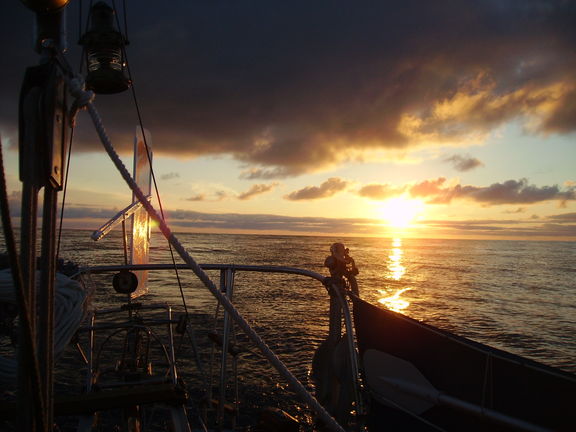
[401,212]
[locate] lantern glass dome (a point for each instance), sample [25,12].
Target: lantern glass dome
[104,52]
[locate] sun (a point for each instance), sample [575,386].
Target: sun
[401,212]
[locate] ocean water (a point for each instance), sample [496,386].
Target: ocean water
[519,296]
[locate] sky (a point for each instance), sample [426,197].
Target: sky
[447,119]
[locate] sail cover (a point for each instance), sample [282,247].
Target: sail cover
[140,241]
[469,371]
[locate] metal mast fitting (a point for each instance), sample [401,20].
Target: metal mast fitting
[45,5]
[50,23]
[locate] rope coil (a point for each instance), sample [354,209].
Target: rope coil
[69,311]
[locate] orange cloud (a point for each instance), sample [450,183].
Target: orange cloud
[255,190]
[327,189]
[380,191]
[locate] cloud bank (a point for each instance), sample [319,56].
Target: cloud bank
[441,191]
[294,87]
[508,192]
[560,226]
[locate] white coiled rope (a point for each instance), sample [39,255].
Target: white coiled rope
[85,100]
[68,314]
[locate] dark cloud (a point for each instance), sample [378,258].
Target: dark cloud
[184,219]
[514,192]
[556,226]
[197,198]
[440,191]
[528,228]
[170,176]
[464,163]
[558,230]
[379,191]
[264,174]
[561,119]
[327,189]
[257,189]
[516,211]
[293,87]
[218,195]
[509,192]
[73,212]
[565,217]
[262,222]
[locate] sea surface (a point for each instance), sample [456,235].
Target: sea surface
[519,296]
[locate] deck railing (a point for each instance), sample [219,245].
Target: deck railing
[227,272]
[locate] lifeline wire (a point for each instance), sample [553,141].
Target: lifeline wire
[77,91]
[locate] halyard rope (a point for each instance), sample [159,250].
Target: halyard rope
[86,100]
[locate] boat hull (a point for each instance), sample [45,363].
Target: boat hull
[468,371]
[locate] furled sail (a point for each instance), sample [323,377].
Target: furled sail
[140,241]
[135,213]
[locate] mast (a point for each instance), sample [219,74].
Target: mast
[42,137]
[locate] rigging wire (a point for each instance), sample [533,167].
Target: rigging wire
[81,32]
[69,156]
[80,19]
[141,124]
[72,128]
[125,20]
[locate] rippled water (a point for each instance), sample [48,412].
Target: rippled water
[515,295]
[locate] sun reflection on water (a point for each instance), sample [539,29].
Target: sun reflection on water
[395,266]
[394,302]
[395,272]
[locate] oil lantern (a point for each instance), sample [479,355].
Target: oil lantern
[104,47]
